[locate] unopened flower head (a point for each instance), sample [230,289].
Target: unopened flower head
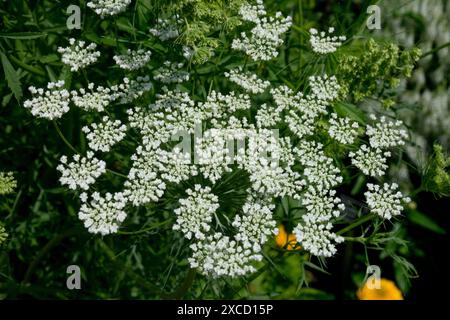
[325,42]
[7,183]
[79,55]
[81,172]
[51,103]
[385,201]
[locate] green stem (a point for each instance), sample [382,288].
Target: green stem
[356,223]
[64,138]
[435,50]
[144,230]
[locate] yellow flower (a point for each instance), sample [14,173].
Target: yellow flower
[387,291]
[285,240]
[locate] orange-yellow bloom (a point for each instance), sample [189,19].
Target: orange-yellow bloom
[387,291]
[285,240]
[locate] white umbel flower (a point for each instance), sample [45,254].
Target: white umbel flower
[108,7]
[133,59]
[252,13]
[104,135]
[131,89]
[265,37]
[247,80]
[370,161]
[49,104]
[321,205]
[300,124]
[103,214]
[218,256]
[317,238]
[308,150]
[79,55]
[324,88]
[256,224]
[324,42]
[81,172]
[195,213]
[385,201]
[176,165]
[96,99]
[267,116]
[386,134]
[285,98]
[342,129]
[7,183]
[171,72]
[320,171]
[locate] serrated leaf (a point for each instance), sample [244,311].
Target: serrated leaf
[11,76]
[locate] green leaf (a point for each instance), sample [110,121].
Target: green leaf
[22,35]
[351,111]
[12,78]
[424,221]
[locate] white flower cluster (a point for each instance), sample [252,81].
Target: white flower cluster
[218,255]
[342,129]
[324,42]
[317,238]
[7,183]
[133,59]
[81,172]
[265,37]
[96,99]
[108,7]
[385,201]
[196,212]
[249,81]
[130,90]
[370,161]
[49,104]
[171,73]
[103,214]
[166,28]
[385,133]
[321,204]
[79,54]
[104,135]
[267,116]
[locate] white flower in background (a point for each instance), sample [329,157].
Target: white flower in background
[171,72]
[247,80]
[385,133]
[342,129]
[133,59]
[108,7]
[256,224]
[81,172]
[321,205]
[317,238]
[324,88]
[370,161]
[196,212]
[49,104]
[79,54]
[103,214]
[218,255]
[265,37]
[104,135]
[324,42]
[130,90]
[385,201]
[94,99]
[7,183]
[167,28]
